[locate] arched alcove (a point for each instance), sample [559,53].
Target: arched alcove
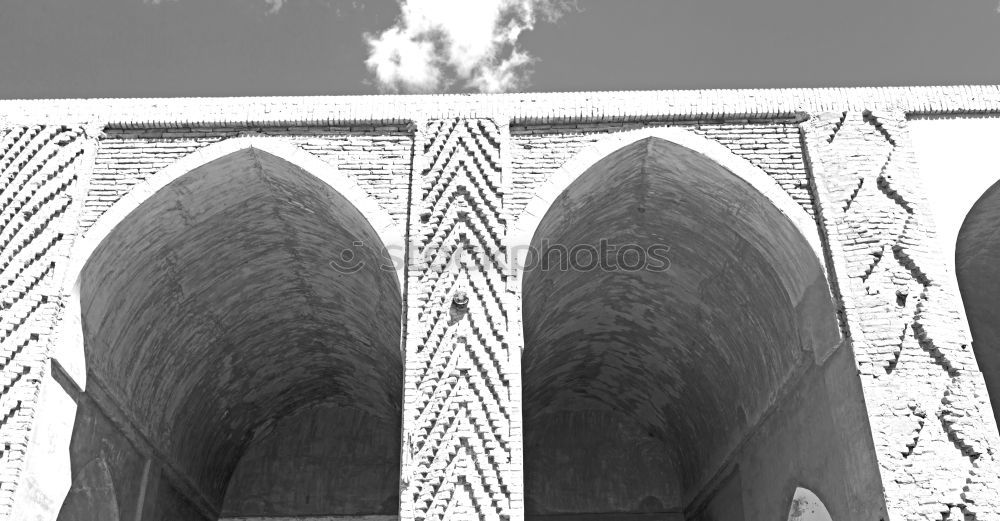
[237,362]
[691,376]
[977,267]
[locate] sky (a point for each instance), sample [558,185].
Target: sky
[143,48]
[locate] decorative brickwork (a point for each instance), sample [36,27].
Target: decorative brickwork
[41,171]
[468,175]
[461,447]
[930,417]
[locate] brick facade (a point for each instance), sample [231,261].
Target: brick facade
[457,172]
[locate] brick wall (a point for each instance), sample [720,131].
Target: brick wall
[41,168]
[931,423]
[925,396]
[770,144]
[377,157]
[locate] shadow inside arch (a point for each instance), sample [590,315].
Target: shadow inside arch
[213,325]
[641,385]
[92,495]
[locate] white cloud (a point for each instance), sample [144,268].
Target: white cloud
[438,45]
[274,5]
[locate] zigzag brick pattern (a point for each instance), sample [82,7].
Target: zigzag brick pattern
[38,165]
[460,423]
[936,441]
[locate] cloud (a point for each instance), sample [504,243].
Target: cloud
[274,5]
[440,45]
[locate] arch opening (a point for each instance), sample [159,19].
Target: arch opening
[695,390]
[232,369]
[977,253]
[806,506]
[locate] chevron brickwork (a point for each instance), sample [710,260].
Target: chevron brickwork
[931,422]
[461,441]
[38,204]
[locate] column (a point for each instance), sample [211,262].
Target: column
[930,415]
[461,416]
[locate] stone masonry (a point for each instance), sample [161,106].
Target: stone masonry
[456,174]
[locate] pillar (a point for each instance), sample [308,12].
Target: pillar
[461,455]
[931,419]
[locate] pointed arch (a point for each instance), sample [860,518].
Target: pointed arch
[389,232]
[526,225]
[977,250]
[641,377]
[801,285]
[217,302]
